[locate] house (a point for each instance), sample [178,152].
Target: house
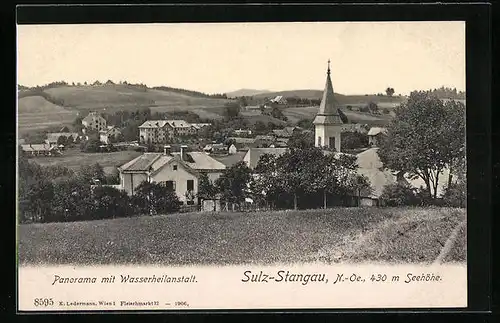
[264,140]
[253,155]
[179,171]
[155,131]
[243,132]
[232,149]
[53,137]
[243,143]
[109,135]
[375,135]
[40,150]
[94,121]
[279,99]
[369,165]
[216,149]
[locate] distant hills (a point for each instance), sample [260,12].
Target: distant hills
[246,92]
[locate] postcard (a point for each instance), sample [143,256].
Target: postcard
[219,166]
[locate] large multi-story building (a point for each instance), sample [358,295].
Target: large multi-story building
[155,132]
[94,121]
[161,131]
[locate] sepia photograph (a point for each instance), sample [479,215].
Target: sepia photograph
[199,148]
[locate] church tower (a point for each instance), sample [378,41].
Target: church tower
[327,124]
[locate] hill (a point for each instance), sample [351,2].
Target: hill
[246,92]
[42,107]
[35,113]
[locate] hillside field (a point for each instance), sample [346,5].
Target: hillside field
[296,114]
[74,159]
[340,235]
[37,112]
[34,113]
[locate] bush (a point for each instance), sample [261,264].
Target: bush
[155,198]
[111,203]
[456,195]
[399,194]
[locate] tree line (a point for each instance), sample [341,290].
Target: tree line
[58,194]
[292,180]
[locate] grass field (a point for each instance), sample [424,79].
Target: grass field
[34,112]
[74,158]
[296,114]
[344,235]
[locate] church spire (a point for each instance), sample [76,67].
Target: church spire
[328,113]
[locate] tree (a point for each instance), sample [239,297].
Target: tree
[301,140]
[389,91]
[35,193]
[354,140]
[91,145]
[424,137]
[155,198]
[294,170]
[206,189]
[90,173]
[72,200]
[399,194]
[305,123]
[231,110]
[110,203]
[61,140]
[372,107]
[232,185]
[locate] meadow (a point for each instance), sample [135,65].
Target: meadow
[340,235]
[74,159]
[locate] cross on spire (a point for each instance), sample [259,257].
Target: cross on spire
[328,71]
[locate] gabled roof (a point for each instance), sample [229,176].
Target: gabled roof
[153,162]
[376,130]
[37,147]
[328,113]
[253,154]
[178,123]
[53,136]
[153,124]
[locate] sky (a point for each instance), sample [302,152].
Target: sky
[366,57]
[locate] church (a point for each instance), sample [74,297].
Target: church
[328,127]
[327,134]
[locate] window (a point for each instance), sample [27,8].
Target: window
[190,184]
[175,167]
[319,141]
[170,185]
[332,142]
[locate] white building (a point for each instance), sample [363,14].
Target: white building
[108,135]
[179,171]
[328,124]
[94,121]
[375,135]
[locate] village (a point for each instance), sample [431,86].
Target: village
[180,156]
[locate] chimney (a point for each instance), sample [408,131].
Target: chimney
[183,152]
[166,149]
